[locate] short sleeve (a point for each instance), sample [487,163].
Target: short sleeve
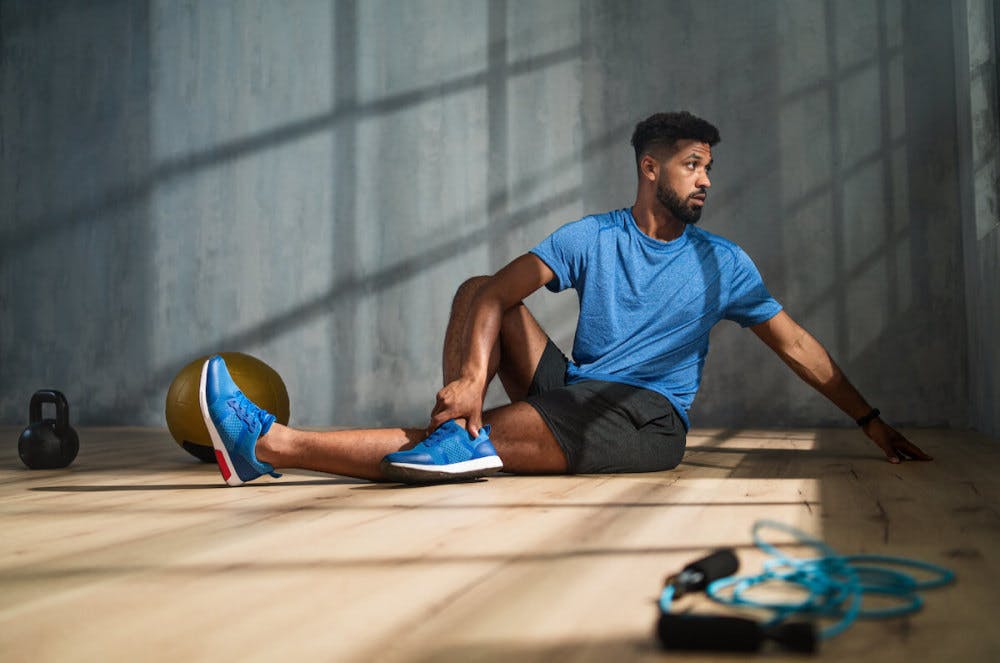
[750,303]
[565,252]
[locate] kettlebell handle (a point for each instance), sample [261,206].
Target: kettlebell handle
[49,396]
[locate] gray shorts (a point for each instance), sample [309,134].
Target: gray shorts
[605,427]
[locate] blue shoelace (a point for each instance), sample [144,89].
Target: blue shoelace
[437,437]
[246,411]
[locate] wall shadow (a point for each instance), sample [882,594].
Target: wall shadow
[75,117]
[884,265]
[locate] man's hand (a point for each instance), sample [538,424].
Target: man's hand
[461,399]
[892,442]
[811,362]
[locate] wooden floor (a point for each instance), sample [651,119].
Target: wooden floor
[138,552]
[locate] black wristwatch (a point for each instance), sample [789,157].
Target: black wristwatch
[868,418]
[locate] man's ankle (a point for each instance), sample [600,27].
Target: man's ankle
[267,448]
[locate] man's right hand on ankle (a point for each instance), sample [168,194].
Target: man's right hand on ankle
[461,400]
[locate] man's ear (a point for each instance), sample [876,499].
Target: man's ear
[649,167]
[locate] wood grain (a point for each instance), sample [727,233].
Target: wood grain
[138,551]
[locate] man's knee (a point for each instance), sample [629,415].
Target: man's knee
[466,291]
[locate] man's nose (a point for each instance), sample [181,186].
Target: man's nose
[703,181]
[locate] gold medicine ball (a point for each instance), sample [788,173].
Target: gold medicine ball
[258,381]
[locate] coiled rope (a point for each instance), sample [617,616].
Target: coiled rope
[835,585]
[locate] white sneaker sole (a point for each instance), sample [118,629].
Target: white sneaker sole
[418,473]
[221,455]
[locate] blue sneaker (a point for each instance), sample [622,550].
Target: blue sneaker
[447,454]
[234,423]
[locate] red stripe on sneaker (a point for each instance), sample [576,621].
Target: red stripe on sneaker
[223,466]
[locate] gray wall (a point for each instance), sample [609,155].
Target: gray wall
[309,181]
[979,174]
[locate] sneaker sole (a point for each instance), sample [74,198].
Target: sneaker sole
[416,473]
[226,468]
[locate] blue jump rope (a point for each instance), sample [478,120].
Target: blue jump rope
[834,587]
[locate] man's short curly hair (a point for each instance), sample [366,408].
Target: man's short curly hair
[663,130]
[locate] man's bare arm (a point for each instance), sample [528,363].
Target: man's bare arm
[463,398]
[811,362]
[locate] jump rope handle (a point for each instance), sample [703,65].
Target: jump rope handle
[687,632]
[724,633]
[696,576]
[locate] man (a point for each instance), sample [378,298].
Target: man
[651,286]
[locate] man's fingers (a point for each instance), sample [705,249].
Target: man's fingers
[894,444]
[439,405]
[900,448]
[905,448]
[913,451]
[888,447]
[455,401]
[917,452]
[437,419]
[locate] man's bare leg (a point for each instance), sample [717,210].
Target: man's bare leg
[520,435]
[352,453]
[523,440]
[516,354]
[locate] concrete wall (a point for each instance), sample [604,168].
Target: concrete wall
[979,169]
[309,181]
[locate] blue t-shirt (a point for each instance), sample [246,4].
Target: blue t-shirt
[647,306]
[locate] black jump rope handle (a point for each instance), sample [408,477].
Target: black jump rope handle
[691,632]
[724,633]
[696,576]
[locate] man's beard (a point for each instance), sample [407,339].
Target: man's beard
[681,210]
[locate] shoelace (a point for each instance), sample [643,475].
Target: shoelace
[436,437]
[247,412]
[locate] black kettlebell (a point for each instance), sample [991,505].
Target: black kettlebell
[48,444]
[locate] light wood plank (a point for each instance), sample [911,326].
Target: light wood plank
[138,551]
